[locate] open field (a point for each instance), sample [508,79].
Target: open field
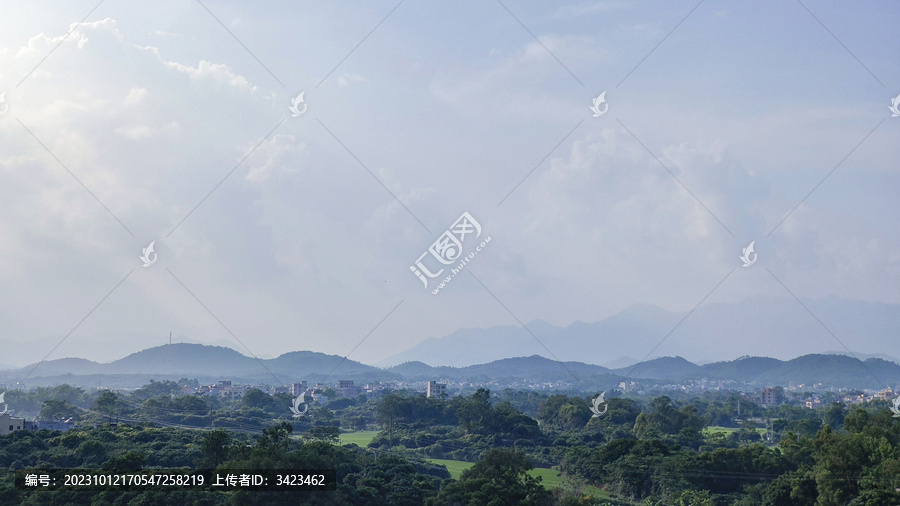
[456,467]
[360,438]
[550,478]
[728,430]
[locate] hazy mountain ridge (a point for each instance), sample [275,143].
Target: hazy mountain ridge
[213,363]
[714,332]
[202,361]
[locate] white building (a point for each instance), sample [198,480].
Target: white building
[9,424]
[435,389]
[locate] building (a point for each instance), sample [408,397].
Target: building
[886,395]
[62,425]
[435,389]
[298,388]
[222,389]
[346,388]
[768,396]
[9,424]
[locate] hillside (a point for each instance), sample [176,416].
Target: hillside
[212,363]
[715,332]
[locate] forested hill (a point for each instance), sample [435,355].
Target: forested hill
[208,363]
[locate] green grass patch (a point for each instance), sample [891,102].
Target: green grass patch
[728,430]
[360,437]
[550,478]
[456,467]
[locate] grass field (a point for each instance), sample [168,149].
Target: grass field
[361,437]
[550,478]
[728,430]
[456,467]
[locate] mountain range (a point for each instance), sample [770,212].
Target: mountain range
[209,364]
[778,327]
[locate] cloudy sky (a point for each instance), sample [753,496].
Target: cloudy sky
[727,123]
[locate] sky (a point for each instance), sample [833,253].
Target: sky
[724,123]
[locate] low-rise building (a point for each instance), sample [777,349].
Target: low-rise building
[436,390]
[8,424]
[346,388]
[61,425]
[768,397]
[886,395]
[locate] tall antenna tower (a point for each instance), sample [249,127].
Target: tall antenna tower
[170,338]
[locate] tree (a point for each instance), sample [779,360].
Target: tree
[107,403]
[214,448]
[499,478]
[323,433]
[255,398]
[55,409]
[474,412]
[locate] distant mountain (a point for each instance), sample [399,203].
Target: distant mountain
[620,362]
[660,368]
[828,370]
[779,327]
[212,363]
[100,347]
[208,362]
[470,346]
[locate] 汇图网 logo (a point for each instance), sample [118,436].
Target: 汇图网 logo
[746,256]
[595,406]
[147,252]
[600,100]
[447,250]
[295,408]
[295,105]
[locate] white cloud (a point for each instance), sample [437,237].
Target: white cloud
[217,71]
[274,158]
[347,79]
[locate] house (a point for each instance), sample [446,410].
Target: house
[10,424]
[886,395]
[346,388]
[769,397]
[435,389]
[61,425]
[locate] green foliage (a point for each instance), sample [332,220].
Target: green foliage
[500,478]
[215,448]
[660,451]
[59,409]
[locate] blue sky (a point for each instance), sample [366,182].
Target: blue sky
[449,107]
